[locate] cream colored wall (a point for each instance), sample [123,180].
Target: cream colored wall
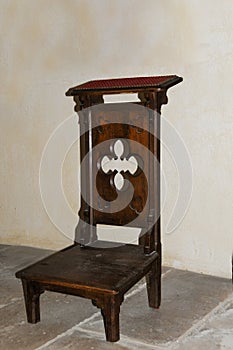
[46,47]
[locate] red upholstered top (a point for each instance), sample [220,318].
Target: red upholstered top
[137,83]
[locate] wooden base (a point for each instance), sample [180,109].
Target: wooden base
[65,272]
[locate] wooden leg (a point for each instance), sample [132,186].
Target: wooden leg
[153,281]
[110,312]
[32,300]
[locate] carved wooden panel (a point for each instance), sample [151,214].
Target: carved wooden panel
[120,165]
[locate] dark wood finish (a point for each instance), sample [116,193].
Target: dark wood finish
[95,269]
[32,292]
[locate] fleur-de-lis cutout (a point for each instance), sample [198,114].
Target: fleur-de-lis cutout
[119,164]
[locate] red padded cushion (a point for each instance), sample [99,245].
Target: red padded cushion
[137,83]
[122,83]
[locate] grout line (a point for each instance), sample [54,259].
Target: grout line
[135,342]
[78,326]
[142,286]
[199,324]
[10,302]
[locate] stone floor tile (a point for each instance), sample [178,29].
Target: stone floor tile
[58,314]
[215,334]
[187,297]
[69,322]
[85,343]
[13,258]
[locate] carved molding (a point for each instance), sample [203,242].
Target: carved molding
[154,100]
[84,101]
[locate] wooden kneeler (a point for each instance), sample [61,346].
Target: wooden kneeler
[120,185]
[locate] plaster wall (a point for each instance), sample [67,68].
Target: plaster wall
[47,47]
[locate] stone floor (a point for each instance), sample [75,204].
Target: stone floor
[196,313]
